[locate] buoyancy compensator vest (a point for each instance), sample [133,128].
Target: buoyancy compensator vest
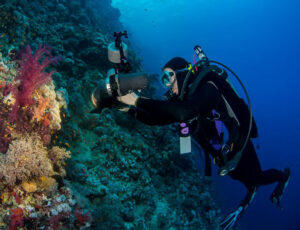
[202,71]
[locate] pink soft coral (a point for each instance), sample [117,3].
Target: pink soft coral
[31,75]
[32,72]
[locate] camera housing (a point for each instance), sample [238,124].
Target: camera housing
[119,81]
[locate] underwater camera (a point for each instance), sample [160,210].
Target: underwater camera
[119,80]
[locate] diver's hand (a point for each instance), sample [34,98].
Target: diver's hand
[129,99]
[232,218]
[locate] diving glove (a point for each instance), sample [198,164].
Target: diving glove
[232,218]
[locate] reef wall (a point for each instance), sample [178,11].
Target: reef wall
[62,167]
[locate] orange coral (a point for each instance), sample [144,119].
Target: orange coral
[2,84]
[3,69]
[47,183]
[47,120]
[29,186]
[39,111]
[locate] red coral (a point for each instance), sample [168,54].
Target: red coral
[23,125]
[54,221]
[81,218]
[17,198]
[16,218]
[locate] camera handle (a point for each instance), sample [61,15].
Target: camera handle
[123,66]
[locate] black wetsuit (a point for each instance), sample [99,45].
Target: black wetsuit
[206,98]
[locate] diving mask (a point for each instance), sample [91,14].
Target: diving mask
[167,78]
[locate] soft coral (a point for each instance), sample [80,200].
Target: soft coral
[31,75]
[16,218]
[81,217]
[32,72]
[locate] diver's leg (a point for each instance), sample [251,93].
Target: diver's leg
[234,216]
[249,172]
[232,161]
[248,168]
[270,176]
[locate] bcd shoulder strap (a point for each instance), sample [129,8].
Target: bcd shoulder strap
[204,72]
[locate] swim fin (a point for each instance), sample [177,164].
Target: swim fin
[279,189]
[232,218]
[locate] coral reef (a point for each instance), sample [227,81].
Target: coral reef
[29,168]
[16,218]
[122,174]
[132,177]
[25,159]
[58,156]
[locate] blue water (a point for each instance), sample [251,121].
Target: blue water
[259,40]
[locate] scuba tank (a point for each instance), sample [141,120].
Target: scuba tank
[204,65]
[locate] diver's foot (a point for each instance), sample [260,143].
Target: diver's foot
[279,189]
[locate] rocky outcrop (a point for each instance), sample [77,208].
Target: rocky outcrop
[122,174]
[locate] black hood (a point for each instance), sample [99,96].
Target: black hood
[178,63]
[180,79]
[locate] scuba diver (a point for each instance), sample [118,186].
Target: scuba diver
[200,100]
